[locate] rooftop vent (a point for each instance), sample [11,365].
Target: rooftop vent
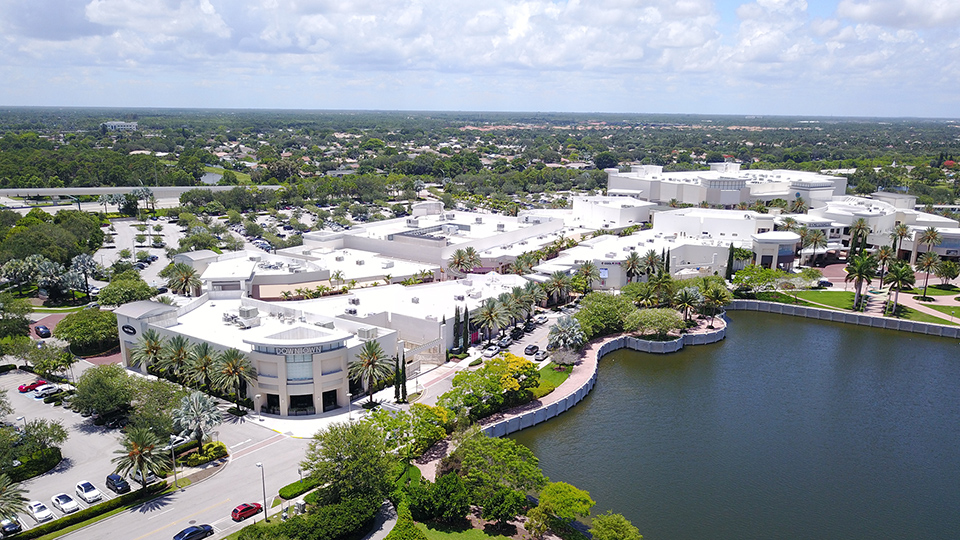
[415,300]
[361,262]
[501,227]
[479,220]
[458,297]
[248,312]
[350,311]
[353,301]
[339,258]
[367,333]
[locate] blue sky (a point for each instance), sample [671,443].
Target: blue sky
[786,57]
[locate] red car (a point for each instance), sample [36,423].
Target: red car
[245,510]
[32,386]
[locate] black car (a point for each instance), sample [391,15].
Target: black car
[529,326]
[516,333]
[42,331]
[116,483]
[195,532]
[10,527]
[530,349]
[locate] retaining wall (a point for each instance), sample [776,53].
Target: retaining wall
[846,317]
[546,412]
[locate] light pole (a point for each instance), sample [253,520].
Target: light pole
[300,472]
[173,459]
[259,407]
[263,482]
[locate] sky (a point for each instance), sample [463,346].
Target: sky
[887,58]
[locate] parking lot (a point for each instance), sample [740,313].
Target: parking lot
[86,454]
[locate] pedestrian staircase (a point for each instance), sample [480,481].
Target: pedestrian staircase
[874,303]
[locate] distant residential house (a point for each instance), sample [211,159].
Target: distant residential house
[120,126]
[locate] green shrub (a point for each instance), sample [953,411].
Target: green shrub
[296,489]
[476,362]
[94,511]
[543,389]
[7,367]
[209,452]
[347,519]
[405,529]
[36,464]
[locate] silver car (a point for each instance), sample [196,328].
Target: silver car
[64,503]
[88,492]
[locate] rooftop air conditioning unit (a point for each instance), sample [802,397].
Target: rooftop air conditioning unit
[367,333]
[500,226]
[479,220]
[475,295]
[361,262]
[248,312]
[339,258]
[415,300]
[610,255]
[386,264]
[350,311]
[467,282]
[255,258]
[450,216]
[458,297]
[354,301]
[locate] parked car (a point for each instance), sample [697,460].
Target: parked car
[516,333]
[541,356]
[116,483]
[161,290]
[46,390]
[64,503]
[151,478]
[42,331]
[245,510]
[529,326]
[10,527]
[175,441]
[39,511]
[88,492]
[505,342]
[194,533]
[530,349]
[491,351]
[30,387]
[540,319]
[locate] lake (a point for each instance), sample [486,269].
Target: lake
[789,428]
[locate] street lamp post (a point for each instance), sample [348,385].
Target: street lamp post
[173,459]
[300,472]
[263,482]
[259,407]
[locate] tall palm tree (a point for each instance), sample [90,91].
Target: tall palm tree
[590,273]
[859,228]
[201,364]
[490,316]
[473,258]
[815,239]
[337,277]
[521,302]
[931,237]
[558,285]
[196,416]
[534,291]
[148,350]
[884,255]
[566,333]
[632,266]
[716,297]
[370,366]
[175,357]
[18,271]
[183,279]
[458,262]
[235,372]
[84,264]
[798,206]
[141,452]
[662,286]
[900,231]
[651,263]
[928,263]
[861,268]
[686,300]
[12,501]
[789,224]
[900,276]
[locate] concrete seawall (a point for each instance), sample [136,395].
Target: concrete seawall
[515,422]
[860,319]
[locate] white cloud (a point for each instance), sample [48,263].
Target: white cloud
[902,13]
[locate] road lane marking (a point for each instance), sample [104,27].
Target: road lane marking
[172,523]
[241,443]
[259,446]
[162,513]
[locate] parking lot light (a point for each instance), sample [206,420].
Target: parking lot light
[263,482]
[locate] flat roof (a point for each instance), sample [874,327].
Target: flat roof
[232,269]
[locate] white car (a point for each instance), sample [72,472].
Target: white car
[64,503]
[540,319]
[491,351]
[39,511]
[175,441]
[151,478]
[88,492]
[45,390]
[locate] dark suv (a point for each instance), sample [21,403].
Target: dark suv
[116,483]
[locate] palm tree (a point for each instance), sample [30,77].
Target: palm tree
[141,452]
[183,279]
[686,300]
[632,266]
[175,357]
[788,224]
[18,271]
[84,264]
[884,255]
[899,277]
[662,286]
[196,416]
[104,199]
[534,291]
[12,501]
[646,297]
[521,302]
[337,277]
[798,206]
[473,258]
[815,239]
[458,262]
[566,333]
[234,371]
[861,268]
[716,297]
[589,272]
[931,237]
[900,231]
[558,284]
[651,263]
[200,366]
[370,366]
[859,228]
[928,263]
[148,350]
[490,316]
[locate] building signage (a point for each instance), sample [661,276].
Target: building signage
[611,263]
[127,329]
[313,349]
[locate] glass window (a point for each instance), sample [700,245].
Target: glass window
[299,367]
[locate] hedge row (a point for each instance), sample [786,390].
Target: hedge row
[296,489]
[7,367]
[209,452]
[406,529]
[94,511]
[38,463]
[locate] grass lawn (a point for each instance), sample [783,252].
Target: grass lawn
[57,310]
[946,310]
[783,298]
[243,177]
[549,374]
[457,533]
[836,299]
[904,312]
[934,290]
